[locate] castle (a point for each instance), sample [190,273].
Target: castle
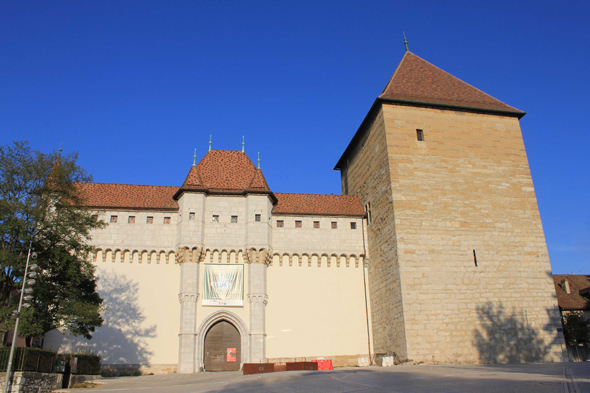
[435,252]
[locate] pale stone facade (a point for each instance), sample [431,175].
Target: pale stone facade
[435,252]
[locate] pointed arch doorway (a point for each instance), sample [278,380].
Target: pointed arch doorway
[223,349]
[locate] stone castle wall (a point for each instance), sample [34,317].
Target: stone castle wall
[475,272]
[367,176]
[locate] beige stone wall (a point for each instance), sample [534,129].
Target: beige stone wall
[342,240]
[368,178]
[141,316]
[138,235]
[315,311]
[468,187]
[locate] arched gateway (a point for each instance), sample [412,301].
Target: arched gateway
[223,349]
[222,342]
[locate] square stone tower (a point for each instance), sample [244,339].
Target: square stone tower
[459,268]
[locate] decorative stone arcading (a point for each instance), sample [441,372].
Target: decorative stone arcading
[184,254]
[188,297]
[258,299]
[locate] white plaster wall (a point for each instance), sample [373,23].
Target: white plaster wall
[315,311]
[138,235]
[141,315]
[324,239]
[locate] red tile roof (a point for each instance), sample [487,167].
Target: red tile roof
[416,80]
[220,171]
[225,171]
[333,205]
[572,300]
[128,196]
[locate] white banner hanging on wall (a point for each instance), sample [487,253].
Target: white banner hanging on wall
[224,285]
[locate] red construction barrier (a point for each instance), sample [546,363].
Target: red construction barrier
[324,364]
[298,366]
[258,368]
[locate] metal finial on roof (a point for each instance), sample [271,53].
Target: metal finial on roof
[61,148]
[210,142]
[406,42]
[195,157]
[243,144]
[258,160]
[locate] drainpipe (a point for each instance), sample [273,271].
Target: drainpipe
[366,297]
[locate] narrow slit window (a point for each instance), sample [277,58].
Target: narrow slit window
[420,135]
[474,258]
[191,215]
[257,217]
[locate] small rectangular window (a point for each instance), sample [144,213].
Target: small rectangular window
[166,220]
[215,219]
[191,216]
[334,225]
[114,219]
[298,224]
[149,220]
[234,219]
[280,223]
[420,135]
[131,220]
[353,225]
[257,217]
[316,224]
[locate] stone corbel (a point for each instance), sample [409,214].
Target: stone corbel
[263,256]
[258,299]
[188,297]
[184,255]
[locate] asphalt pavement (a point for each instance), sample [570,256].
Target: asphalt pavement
[506,378]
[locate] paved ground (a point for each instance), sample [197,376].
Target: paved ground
[521,378]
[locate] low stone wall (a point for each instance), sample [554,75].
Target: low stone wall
[29,382]
[75,378]
[117,370]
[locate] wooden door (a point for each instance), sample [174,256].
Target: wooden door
[222,348]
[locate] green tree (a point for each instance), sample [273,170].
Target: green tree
[40,204]
[576,329]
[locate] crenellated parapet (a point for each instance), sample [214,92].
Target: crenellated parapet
[130,255]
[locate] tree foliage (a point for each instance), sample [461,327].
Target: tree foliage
[576,328]
[40,205]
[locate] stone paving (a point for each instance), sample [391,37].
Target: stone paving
[521,378]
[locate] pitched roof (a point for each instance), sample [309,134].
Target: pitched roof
[316,204]
[416,80]
[225,171]
[128,196]
[573,300]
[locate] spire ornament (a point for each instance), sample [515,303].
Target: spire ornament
[210,142]
[243,144]
[258,160]
[61,148]
[195,158]
[406,42]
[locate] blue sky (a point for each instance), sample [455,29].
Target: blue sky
[135,86]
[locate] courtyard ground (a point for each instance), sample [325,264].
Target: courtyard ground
[521,378]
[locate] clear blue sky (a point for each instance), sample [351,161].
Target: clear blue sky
[134,86]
